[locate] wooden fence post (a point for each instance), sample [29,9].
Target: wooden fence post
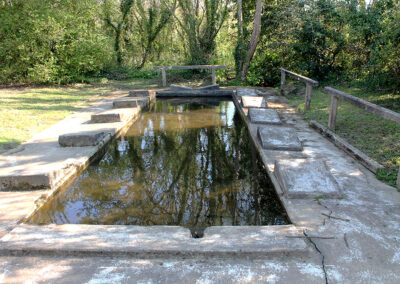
[164,77]
[283,80]
[308,95]
[333,111]
[214,79]
[398,179]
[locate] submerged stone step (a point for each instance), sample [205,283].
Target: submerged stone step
[81,139]
[253,101]
[275,137]
[267,116]
[115,115]
[128,102]
[306,178]
[272,241]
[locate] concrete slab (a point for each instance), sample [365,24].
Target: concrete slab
[267,116]
[177,88]
[306,178]
[103,269]
[279,138]
[115,115]
[155,240]
[130,102]
[81,139]
[209,87]
[253,101]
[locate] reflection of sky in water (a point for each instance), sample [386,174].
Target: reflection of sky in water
[181,163]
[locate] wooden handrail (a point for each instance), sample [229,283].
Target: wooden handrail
[300,77]
[365,105]
[309,84]
[164,75]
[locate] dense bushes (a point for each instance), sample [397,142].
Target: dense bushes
[331,40]
[51,41]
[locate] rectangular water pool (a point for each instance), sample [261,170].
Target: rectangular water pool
[187,162]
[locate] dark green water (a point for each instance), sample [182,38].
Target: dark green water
[185,162]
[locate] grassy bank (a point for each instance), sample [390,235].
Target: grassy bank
[27,111]
[377,137]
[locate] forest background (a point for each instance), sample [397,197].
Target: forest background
[54,41]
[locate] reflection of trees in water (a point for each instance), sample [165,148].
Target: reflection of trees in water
[192,176]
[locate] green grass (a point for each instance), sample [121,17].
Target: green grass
[375,136]
[25,112]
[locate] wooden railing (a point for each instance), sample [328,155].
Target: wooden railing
[164,68]
[367,106]
[309,84]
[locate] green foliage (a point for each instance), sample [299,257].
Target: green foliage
[51,41]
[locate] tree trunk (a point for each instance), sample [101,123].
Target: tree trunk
[239,49]
[255,36]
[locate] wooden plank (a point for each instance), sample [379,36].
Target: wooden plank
[365,105]
[188,67]
[333,111]
[308,95]
[300,77]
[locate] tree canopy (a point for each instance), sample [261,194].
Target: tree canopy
[53,41]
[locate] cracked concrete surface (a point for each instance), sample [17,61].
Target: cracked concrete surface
[355,238]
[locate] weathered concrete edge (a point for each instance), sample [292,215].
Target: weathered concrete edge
[141,241]
[258,146]
[358,155]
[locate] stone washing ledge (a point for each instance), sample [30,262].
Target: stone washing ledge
[43,163]
[142,241]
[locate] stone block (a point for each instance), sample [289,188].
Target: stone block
[130,102]
[306,178]
[253,101]
[275,137]
[82,139]
[139,93]
[114,115]
[260,115]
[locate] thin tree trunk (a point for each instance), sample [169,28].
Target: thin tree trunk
[255,36]
[240,35]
